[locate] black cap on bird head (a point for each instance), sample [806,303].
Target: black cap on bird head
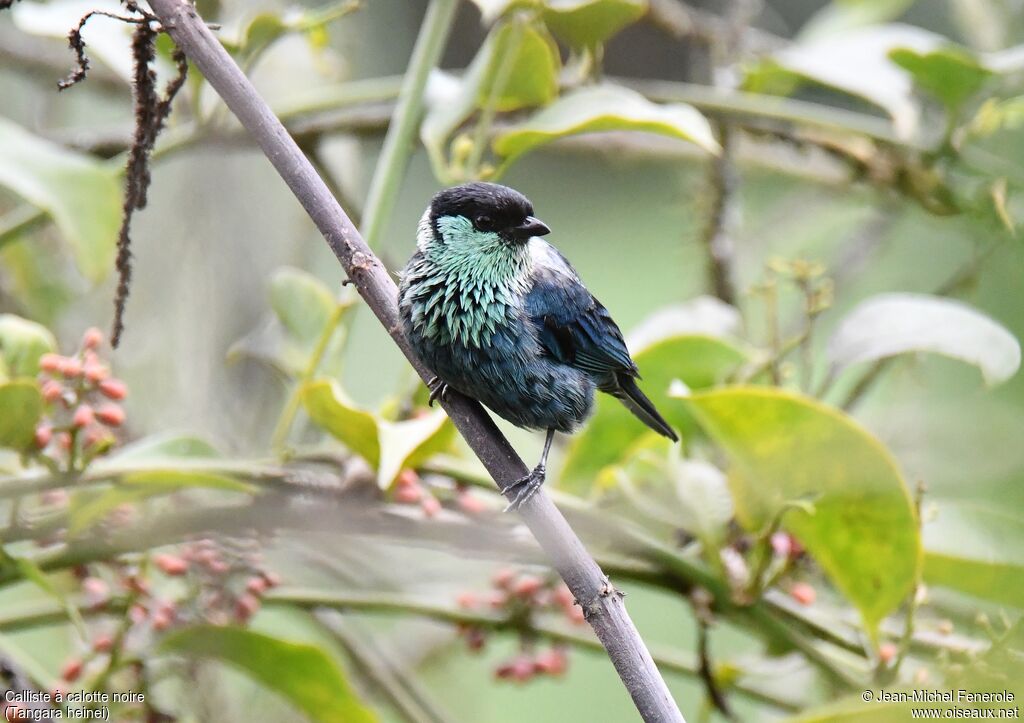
[490,207]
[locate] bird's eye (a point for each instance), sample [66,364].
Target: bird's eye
[484,223]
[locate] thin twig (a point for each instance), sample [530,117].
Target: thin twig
[581,573]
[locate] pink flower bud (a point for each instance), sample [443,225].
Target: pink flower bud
[551,662]
[430,506]
[44,433]
[803,593]
[171,564]
[52,390]
[471,504]
[71,670]
[887,652]
[71,367]
[114,389]
[256,585]
[272,578]
[409,494]
[245,607]
[51,362]
[467,600]
[111,414]
[95,372]
[83,416]
[103,643]
[92,338]
[503,578]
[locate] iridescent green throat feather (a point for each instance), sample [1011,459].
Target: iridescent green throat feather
[466,283]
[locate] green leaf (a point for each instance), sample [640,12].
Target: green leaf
[410,443]
[389,447]
[517,66]
[167,446]
[995,115]
[857,710]
[303,674]
[89,507]
[22,342]
[604,108]
[704,501]
[22,406]
[856,63]
[786,447]
[843,16]
[974,547]
[329,408]
[951,74]
[589,23]
[261,31]
[891,324]
[672,345]
[301,302]
[82,195]
[30,571]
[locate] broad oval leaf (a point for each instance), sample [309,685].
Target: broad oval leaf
[975,547]
[891,324]
[604,108]
[785,447]
[951,74]
[588,23]
[21,405]
[82,195]
[389,447]
[856,63]
[698,360]
[302,302]
[22,342]
[521,67]
[303,674]
[330,409]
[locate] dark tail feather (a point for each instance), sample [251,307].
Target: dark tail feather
[638,403]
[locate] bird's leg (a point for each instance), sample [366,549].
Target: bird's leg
[526,487]
[438,390]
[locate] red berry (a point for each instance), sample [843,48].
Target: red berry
[245,607]
[467,600]
[430,506]
[83,416]
[471,504]
[551,662]
[51,362]
[887,652]
[409,494]
[527,586]
[803,593]
[92,338]
[95,372]
[44,433]
[111,414]
[102,643]
[52,390]
[71,670]
[71,367]
[114,389]
[256,585]
[171,564]
[408,478]
[503,578]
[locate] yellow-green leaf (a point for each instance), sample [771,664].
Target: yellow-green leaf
[698,360]
[785,447]
[302,302]
[22,342]
[409,443]
[587,23]
[521,68]
[329,408]
[21,405]
[81,194]
[301,673]
[604,108]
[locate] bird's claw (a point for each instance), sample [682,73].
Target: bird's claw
[438,390]
[524,488]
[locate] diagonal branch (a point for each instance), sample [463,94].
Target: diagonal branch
[606,612]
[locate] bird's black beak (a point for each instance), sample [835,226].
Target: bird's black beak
[529,228]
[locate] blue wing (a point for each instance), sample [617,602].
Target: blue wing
[571,324]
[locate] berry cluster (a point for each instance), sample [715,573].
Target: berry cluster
[82,408]
[202,581]
[410,490]
[519,596]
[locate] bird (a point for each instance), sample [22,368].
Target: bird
[500,316]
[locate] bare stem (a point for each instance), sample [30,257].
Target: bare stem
[606,613]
